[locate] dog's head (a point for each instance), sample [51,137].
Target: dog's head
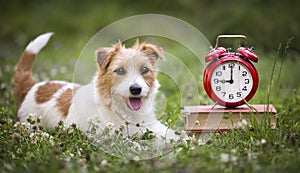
[126,77]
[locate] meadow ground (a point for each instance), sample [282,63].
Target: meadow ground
[255,148]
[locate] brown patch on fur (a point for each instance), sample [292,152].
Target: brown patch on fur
[150,63]
[150,78]
[104,56]
[64,101]
[106,60]
[23,80]
[45,92]
[104,85]
[105,73]
[149,49]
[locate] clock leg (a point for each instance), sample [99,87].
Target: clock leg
[214,105]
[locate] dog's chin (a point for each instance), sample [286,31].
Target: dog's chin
[134,103]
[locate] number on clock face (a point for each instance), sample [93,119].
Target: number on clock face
[231,81]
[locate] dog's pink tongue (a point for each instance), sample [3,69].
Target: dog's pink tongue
[135,103]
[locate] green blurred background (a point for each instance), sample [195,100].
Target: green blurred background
[266,23]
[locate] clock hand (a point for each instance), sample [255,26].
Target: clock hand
[226,81]
[223,81]
[229,81]
[231,75]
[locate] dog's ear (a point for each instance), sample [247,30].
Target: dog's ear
[105,55]
[150,50]
[101,54]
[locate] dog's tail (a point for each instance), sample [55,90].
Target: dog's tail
[23,75]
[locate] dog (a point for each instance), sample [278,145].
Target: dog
[121,93]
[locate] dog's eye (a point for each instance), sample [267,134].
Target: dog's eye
[120,71]
[144,70]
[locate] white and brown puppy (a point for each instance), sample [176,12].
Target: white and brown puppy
[122,91]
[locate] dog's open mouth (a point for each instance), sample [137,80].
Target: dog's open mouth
[135,103]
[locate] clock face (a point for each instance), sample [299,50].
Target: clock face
[231,81]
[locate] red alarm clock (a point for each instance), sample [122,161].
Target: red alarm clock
[230,79]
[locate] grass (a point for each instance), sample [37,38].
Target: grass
[28,148]
[257,148]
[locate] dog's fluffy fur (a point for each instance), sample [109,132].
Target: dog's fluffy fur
[122,91]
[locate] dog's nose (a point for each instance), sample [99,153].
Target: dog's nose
[135,89]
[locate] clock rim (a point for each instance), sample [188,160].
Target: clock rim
[210,69]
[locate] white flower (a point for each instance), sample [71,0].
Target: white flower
[234,159]
[184,143]
[31,135]
[263,141]
[201,141]
[183,134]
[32,115]
[233,151]
[17,124]
[51,142]
[67,159]
[178,150]
[45,135]
[104,162]
[10,120]
[185,140]
[224,157]
[244,122]
[109,124]
[136,158]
